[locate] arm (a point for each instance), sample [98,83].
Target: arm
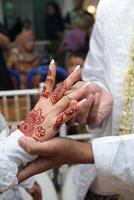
[42,123]
[113,158]
[53,153]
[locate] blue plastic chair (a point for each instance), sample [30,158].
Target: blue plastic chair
[42,70]
[15,74]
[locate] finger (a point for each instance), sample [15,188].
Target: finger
[65,85]
[38,166]
[105,107]
[81,118]
[31,169]
[94,110]
[36,148]
[13,128]
[80,93]
[59,106]
[50,80]
[69,113]
[71,122]
[29,144]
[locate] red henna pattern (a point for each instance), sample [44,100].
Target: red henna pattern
[49,81]
[39,132]
[73,109]
[56,95]
[44,93]
[40,118]
[59,122]
[34,118]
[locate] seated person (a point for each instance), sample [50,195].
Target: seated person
[23,57]
[42,123]
[79,24]
[76,58]
[5,80]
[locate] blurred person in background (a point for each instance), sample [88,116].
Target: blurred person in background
[27,25]
[5,80]
[77,18]
[78,27]
[76,58]
[23,56]
[54,24]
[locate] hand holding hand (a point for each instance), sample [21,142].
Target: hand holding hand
[54,153]
[100,105]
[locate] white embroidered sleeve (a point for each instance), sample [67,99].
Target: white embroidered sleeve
[95,69]
[114,161]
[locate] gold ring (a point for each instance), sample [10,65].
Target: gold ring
[69,97]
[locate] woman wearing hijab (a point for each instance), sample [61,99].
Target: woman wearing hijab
[23,57]
[54,24]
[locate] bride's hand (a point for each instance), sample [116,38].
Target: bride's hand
[53,108]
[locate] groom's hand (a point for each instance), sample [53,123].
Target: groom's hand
[54,153]
[100,107]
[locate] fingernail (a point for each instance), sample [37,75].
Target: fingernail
[85,101]
[52,63]
[87,84]
[22,141]
[77,69]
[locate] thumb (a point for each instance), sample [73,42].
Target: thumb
[28,144]
[33,147]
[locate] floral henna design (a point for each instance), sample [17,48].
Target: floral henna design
[59,122]
[73,109]
[34,119]
[56,94]
[39,132]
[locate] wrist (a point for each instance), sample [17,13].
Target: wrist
[83,153]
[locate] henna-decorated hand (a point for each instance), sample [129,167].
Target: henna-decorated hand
[53,108]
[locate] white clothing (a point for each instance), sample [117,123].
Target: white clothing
[106,64]
[13,193]
[12,157]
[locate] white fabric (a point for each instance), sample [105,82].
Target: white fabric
[15,152]
[10,154]
[106,64]
[13,193]
[116,174]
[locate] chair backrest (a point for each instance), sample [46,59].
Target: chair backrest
[15,104]
[42,70]
[15,74]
